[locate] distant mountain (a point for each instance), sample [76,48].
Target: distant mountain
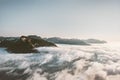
[95,41]
[66,41]
[74,41]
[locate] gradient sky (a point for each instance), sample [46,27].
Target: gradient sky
[63,18]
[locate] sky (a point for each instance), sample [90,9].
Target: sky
[62,18]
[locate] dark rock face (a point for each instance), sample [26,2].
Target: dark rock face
[24,44]
[39,42]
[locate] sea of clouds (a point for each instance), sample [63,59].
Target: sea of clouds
[65,62]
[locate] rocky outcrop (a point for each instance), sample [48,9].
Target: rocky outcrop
[24,44]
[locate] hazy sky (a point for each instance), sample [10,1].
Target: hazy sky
[63,18]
